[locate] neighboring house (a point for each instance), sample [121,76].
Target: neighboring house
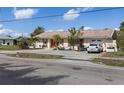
[107,37]
[6,40]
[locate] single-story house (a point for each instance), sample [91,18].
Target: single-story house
[107,37]
[6,40]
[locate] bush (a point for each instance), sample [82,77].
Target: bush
[22,45]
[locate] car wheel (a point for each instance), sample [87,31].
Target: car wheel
[99,51]
[88,51]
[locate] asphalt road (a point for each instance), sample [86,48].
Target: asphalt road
[19,71]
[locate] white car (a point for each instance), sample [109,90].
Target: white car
[95,47]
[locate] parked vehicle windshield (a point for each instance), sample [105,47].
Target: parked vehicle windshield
[93,44]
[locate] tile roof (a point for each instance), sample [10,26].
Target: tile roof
[103,33]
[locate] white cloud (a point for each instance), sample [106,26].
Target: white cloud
[75,13]
[55,30]
[60,30]
[17,34]
[87,28]
[1,26]
[117,29]
[87,9]
[24,13]
[5,32]
[71,14]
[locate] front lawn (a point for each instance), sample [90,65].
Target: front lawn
[113,54]
[39,56]
[8,47]
[14,47]
[110,62]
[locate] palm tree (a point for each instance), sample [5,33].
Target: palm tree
[37,31]
[57,38]
[74,37]
[82,28]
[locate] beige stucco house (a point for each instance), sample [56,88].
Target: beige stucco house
[107,37]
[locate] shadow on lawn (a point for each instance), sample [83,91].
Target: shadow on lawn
[11,77]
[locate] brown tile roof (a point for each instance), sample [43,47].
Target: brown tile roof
[98,33]
[63,34]
[86,34]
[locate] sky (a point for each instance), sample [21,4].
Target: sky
[92,20]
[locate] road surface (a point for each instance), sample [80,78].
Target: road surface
[20,71]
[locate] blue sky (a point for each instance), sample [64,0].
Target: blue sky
[96,20]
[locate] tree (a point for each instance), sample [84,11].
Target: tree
[57,38]
[33,40]
[120,37]
[82,28]
[23,43]
[74,37]
[37,31]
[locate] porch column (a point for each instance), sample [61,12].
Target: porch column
[48,44]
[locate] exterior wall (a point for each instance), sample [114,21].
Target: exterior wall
[115,45]
[7,42]
[111,44]
[65,43]
[105,43]
[39,45]
[87,42]
[48,44]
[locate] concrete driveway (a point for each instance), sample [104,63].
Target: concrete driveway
[20,71]
[69,54]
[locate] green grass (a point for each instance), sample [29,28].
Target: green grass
[114,54]
[14,47]
[39,56]
[8,47]
[109,62]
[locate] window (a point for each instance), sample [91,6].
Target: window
[93,44]
[93,40]
[110,47]
[8,43]
[99,40]
[39,45]
[96,40]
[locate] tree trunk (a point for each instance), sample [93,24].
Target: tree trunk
[34,46]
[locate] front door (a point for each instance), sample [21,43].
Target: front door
[81,42]
[53,43]
[81,46]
